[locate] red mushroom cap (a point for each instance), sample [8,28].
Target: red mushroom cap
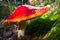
[24,13]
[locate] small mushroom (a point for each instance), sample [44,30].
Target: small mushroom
[23,13]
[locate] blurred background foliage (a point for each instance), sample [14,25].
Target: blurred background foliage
[45,27]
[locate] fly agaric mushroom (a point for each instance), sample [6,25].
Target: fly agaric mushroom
[24,12]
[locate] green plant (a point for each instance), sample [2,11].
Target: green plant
[10,6]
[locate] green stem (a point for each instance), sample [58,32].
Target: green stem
[10,6]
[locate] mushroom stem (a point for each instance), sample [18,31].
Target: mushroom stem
[21,28]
